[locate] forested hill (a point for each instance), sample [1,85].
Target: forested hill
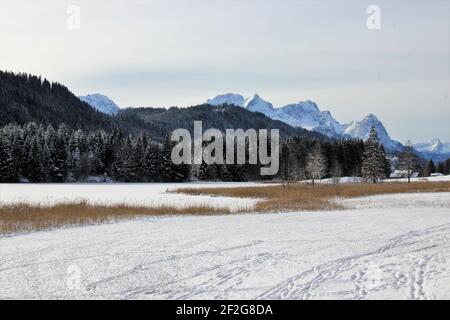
[160,121]
[25,98]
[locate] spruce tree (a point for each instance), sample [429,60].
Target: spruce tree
[440,168]
[7,172]
[374,159]
[429,169]
[203,172]
[447,167]
[152,162]
[35,169]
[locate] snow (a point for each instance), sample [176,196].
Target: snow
[342,180]
[142,194]
[400,201]
[435,178]
[421,179]
[101,103]
[374,251]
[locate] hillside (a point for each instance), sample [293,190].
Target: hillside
[25,98]
[161,121]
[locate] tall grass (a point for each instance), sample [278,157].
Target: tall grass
[299,196]
[25,217]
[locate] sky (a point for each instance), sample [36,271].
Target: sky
[163,53]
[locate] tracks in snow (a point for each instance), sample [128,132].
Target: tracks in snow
[369,273]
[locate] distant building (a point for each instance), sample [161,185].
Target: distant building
[397,174]
[437,174]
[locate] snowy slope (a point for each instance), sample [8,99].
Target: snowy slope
[375,251]
[101,103]
[307,115]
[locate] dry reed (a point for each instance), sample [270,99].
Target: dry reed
[295,196]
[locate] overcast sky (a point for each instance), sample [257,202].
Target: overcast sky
[181,52]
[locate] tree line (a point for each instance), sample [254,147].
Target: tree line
[36,153]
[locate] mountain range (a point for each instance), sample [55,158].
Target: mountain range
[307,115]
[435,149]
[304,114]
[27,98]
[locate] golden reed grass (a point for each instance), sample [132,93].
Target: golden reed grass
[294,196]
[25,217]
[301,196]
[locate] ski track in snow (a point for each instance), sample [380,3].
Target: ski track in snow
[374,251]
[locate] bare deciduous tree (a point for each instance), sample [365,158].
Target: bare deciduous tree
[336,172]
[316,165]
[407,160]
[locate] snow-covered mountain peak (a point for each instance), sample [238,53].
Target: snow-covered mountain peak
[256,104]
[436,145]
[361,129]
[101,103]
[371,118]
[228,98]
[308,106]
[306,114]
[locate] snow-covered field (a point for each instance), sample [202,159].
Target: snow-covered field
[396,251]
[144,194]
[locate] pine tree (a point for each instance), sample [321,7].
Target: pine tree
[440,168]
[447,167]
[203,172]
[82,168]
[35,170]
[429,169]
[374,159]
[170,171]
[58,154]
[7,172]
[152,163]
[125,165]
[96,145]
[138,157]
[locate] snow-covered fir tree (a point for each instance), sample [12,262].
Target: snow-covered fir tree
[374,159]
